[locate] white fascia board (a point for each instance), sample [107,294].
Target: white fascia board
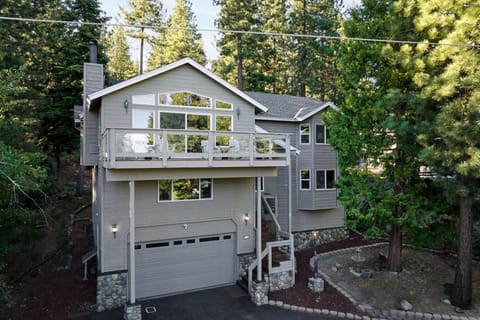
[267,118]
[315,111]
[156,72]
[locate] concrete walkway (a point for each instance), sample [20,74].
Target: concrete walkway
[221,303]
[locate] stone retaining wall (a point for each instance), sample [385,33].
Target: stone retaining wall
[111,291]
[307,239]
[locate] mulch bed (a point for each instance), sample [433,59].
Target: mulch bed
[331,299]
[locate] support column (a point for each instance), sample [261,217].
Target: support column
[131,248]
[259,229]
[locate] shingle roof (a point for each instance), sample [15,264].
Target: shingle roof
[288,107]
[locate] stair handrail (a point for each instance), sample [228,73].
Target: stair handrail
[275,220]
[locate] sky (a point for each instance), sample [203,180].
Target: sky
[205,13]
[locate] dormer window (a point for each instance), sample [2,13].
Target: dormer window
[184,99]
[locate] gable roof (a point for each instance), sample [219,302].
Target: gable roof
[288,108]
[186,61]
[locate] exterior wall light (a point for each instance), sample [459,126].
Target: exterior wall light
[114,230]
[125,105]
[246,218]
[238,113]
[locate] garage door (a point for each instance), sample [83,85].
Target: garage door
[178,265]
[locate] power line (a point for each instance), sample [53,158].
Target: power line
[276,34]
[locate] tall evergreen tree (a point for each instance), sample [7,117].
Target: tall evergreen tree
[143,13]
[379,118]
[238,56]
[272,52]
[450,79]
[182,40]
[120,66]
[314,59]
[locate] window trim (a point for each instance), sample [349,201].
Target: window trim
[301,134]
[324,134]
[300,180]
[325,177]
[183,200]
[214,125]
[219,100]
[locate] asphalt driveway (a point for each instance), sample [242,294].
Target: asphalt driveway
[221,303]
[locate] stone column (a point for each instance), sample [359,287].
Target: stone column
[259,294]
[132,312]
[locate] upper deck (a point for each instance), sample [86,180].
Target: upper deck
[123,148]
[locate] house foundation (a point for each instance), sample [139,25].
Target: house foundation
[111,290]
[244,261]
[307,239]
[259,293]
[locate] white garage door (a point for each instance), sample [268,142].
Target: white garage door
[178,265]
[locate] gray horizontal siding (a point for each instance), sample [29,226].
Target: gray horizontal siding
[184,78]
[318,219]
[232,198]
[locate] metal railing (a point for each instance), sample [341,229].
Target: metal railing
[167,145]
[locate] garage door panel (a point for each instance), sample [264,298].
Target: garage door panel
[176,268]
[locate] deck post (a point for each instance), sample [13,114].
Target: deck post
[259,229]
[131,267]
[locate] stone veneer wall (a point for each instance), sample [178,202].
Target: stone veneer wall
[111,291]
[306,239]
[244,261]
[279,281]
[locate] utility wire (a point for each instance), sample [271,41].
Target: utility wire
[278,34]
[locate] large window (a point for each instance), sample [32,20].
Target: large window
[305,179]
[184,189]
[321,134]
[325,179]
[304,134]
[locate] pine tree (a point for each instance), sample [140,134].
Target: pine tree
[449,78]
[181,41]
[143,13]
[379,118]
[238,54]
[314,59]
[120,66]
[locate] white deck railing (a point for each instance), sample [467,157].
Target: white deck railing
[210,146]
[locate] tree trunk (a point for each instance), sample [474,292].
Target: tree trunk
[395,249]
[462,291]
[239,63]
[140,66]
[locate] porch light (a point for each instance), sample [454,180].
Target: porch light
[246,218]
[114,230]
[125,105]
[238,113]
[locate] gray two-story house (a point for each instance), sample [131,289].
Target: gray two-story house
[177,159]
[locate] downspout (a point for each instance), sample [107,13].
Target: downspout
[259,230]
[131,267]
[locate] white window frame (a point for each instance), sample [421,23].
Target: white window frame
[301,134]
[324,133]
[182,200]
[214,125]
[325,177]
[300,180]
[229,109]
